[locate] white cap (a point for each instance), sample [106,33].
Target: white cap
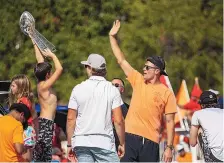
[95,61]
[214,91]
[179,147]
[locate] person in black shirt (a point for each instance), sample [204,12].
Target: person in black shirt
[119,84]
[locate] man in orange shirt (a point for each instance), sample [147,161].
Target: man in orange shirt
[11,133]
[150,100]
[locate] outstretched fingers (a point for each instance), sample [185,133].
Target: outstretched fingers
[116,26]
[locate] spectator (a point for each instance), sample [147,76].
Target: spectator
[11,133]
[48,102]
[210,120]
[21,92]
[90,106]
[119,84]
[150,100]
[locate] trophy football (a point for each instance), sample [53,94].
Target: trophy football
[27,25]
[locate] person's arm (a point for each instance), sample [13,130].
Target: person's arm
[19,147]
[18,140]
[71,122]
[194,128]
[70,128]
[27,157]
[193,135]
[167,156]
[120,129]
[58,70]
[127,68]
[119,124]
[38,54]
[170,128]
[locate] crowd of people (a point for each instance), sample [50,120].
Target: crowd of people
[100,126]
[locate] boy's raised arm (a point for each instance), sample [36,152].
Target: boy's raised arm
[58,69]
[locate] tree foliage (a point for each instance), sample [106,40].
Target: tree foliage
[187,33]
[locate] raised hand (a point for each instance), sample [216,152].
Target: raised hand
[47,53]
[116,26]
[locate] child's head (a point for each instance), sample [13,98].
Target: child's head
[42,71]
[20,87]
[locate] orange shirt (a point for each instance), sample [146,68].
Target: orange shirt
[187,158]
[11,131]
[148,103]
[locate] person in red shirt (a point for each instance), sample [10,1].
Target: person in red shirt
[20,92]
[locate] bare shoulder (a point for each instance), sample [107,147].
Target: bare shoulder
[41,88]
[40,85]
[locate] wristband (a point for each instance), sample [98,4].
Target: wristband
[170,146]
[69,145]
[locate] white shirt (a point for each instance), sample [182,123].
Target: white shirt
[211,121]
[94,100]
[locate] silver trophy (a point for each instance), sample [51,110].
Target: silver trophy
[27,25]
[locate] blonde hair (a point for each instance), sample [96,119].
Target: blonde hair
[24,89]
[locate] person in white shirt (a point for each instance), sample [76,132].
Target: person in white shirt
[210,121]
[89,124]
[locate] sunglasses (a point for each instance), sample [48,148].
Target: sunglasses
[149,67]
[117,85]
[86,66]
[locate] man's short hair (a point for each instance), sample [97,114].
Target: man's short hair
[120,80]
[99,72]
[41,70]
[21,108]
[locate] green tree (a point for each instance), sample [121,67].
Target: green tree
[188,34]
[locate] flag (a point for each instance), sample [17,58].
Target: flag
[182,99]
[196,90]
[195,95]
[183,95]
[165,80]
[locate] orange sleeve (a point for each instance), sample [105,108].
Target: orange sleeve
[171,105]
[18,134]
[134,77]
